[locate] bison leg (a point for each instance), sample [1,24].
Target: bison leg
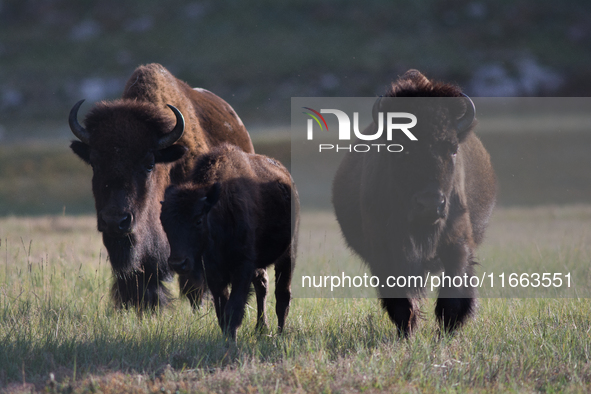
[234,310]
[193,288]
[261,287]
[220,294]
[139,291]
[403,312]
[283,274]
[456,304]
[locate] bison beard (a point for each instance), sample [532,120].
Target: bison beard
[138,146]
[423,210]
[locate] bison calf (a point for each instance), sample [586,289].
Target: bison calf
[227,224]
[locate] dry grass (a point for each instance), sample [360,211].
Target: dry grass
[58,332]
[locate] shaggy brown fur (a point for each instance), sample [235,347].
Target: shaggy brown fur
[209,120]
[423,209]
[131,174]
[236,216]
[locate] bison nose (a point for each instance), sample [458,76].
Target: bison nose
[179,265]
[429,205]
[125,223]
[119,224]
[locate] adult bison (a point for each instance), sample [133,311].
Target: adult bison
[228,223]
[422,209]
[137,146]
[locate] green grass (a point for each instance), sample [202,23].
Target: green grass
[42,179]
[533,168]
[59,333]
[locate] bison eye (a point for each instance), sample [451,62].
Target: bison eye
[451,150]
[150,167]
[198,221]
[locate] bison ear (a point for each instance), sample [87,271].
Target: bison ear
[170,154]
[212,196]
[169,193]
[81,150]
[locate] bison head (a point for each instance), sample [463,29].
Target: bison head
[186,223]
[128,144]
[427,171]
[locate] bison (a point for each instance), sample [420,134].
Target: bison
[137,146]
[227,224]
[423,209]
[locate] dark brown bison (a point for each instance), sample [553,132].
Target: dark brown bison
[228,223]
[137,146]
[422,209]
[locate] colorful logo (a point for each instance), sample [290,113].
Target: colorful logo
[316,118]
[383,122]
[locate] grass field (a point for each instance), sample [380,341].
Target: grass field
[59,333]
[534,167]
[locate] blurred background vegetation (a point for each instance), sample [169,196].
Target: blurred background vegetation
[259,54]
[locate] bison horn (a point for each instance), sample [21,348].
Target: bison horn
[79,131]
[468,118]
[376,109]
[176,133]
